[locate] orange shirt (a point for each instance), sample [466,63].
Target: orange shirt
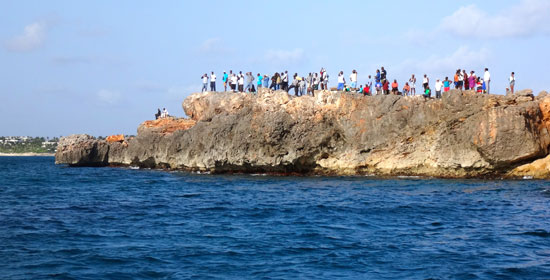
[456,77]
[407,87]
[394,85]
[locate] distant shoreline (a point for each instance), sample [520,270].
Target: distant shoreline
[27,154]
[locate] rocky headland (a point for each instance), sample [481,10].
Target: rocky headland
[461,135]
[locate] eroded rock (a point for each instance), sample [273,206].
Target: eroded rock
[464,134]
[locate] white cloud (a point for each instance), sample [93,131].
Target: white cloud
[285,57]
[528,17]
[439,65]
[33,37]
[210,44]
[214,46]
[108,96]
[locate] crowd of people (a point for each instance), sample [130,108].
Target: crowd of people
[375,85]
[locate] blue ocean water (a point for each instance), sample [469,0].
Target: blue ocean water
[113,223]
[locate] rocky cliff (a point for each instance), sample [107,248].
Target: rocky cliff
[461,135]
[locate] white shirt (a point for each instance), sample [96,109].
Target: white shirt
[512,78]
[340,79]
[353,77]
[234,79]
[438,85]
[487,76]
[241,80]
[205,79]
[285,77]
[213,77]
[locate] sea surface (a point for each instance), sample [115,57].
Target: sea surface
[58,222]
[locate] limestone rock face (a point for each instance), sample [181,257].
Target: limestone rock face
[538,169]
[82,150]
[464,134]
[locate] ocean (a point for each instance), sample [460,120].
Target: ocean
[58,222]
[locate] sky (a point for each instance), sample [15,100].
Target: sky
[103,67]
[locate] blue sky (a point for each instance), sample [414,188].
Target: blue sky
[103,67]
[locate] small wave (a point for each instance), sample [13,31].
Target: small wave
[134,167]
[527,177]
[539,233]
[188,195]
[408,177]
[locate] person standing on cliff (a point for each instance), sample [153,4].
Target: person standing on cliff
[487,80]
[224,79]
[325,80]
[302,85]
[472,80]
[249,82]
[369,86]
[353,79]
[266,81]
[285,81]
[204,82]
[294,84]
[466,82]
[240,81]
[386,86]
[460,79]
[212,81]
[341,81]
[383,74]
[438,86]
[316,82]
[322,77]
[234,80]
[412,82]
[512,82]
[259,82]
[425,82]
[274,81]
[446,84]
